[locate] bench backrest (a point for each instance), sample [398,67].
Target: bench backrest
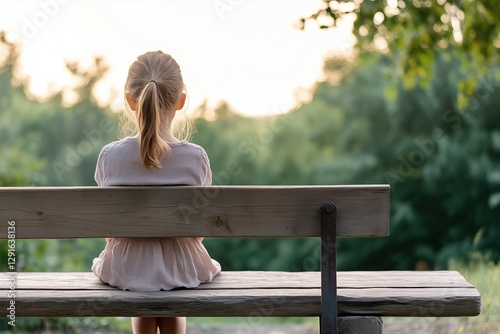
[217,211]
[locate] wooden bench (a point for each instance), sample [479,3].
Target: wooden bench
[359,298]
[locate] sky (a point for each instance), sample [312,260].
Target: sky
[248,53]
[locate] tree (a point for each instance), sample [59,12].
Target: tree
[49,142]
[413,32]
[35,137]
[17,165]
[441,163]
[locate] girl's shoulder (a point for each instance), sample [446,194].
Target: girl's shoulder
[125,146]
[188,146]
[129,146]
[125,143]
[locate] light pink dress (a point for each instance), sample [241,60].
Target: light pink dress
[153,264]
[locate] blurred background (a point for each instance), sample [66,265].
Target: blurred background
[405,93]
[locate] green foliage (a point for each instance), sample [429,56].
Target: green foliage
[66,325]
[481,271]
[48,143]
[413,32]
[17,166]
[440,159]
[441,162]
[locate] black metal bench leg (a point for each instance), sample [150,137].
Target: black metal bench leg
[328,319]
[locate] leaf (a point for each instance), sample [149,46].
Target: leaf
[494,200]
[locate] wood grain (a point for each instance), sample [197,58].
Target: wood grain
[259,280]
[247,294]
[226,211]
[288,211]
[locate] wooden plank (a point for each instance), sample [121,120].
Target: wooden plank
[442,293]
[257,280]
[225,211]
[412,302]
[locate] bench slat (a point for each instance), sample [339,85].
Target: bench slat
[412,302]
[219,211]
[447,294]
[259,280]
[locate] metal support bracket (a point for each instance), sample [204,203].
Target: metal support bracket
[328,319]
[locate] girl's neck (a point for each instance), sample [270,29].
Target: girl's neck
[166,136]
[169,137]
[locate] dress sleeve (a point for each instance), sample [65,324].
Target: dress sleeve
[99,170]
[205,169]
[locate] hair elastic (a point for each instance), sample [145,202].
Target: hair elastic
[153,81]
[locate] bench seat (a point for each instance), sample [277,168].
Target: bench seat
[250,293]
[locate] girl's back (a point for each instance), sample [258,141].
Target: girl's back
[154,93]
[120,164]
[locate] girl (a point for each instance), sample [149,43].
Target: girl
[154,92]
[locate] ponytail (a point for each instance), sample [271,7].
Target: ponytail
[154,85]
[151,144]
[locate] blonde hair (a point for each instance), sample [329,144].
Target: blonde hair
[155,84]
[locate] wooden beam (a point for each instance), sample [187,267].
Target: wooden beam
[248,302]
[416,294]
[257,280]
[225,211]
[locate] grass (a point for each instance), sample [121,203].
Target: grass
[245,324]
[485,276]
